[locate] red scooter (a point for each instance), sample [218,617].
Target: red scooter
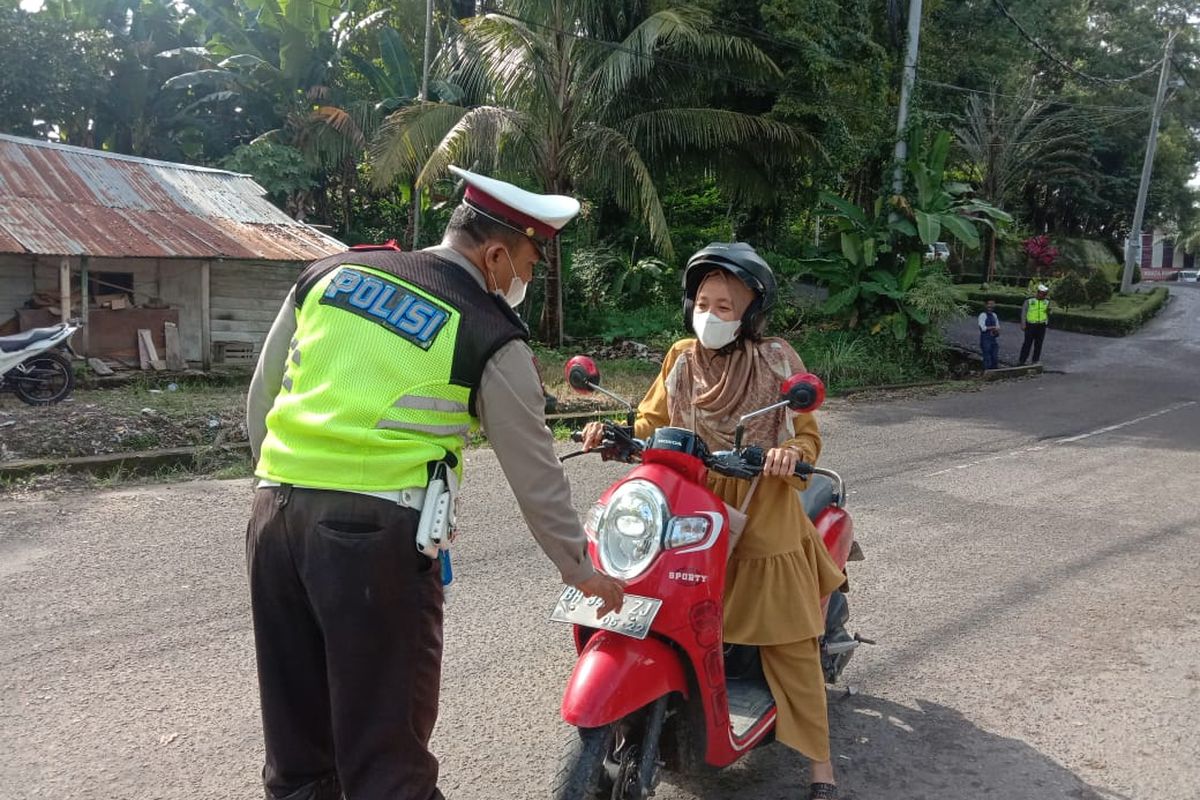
[655,686]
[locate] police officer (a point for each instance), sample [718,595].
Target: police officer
[377,368]
[1035,318]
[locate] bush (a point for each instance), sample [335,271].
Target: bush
[1070,291]
[1112,271]
[1120,316]
[1098,289]
[279,169]
[1084,271]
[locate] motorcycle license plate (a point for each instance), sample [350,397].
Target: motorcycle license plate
[633,619]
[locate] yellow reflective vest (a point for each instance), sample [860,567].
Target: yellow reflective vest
[1038,311]
[382,372]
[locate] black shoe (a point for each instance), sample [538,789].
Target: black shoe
[822,791]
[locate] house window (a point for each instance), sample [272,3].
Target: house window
[101,283]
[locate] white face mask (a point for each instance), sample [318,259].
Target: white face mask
[516,290]
[714,332]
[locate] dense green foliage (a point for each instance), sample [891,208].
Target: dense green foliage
[677,123]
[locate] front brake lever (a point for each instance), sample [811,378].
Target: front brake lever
[576,454]
[733,464]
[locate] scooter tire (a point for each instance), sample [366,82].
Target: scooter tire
[582,773]
[47,362]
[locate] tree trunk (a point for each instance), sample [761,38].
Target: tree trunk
[349,174]
[550,327]
[990,271]
[413,210]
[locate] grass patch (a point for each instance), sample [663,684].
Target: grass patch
[1120,316]
[235,471]
[625,377]
[856,359]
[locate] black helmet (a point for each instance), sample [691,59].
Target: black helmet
[740,259]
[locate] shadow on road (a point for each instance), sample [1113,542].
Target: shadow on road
[886,751]
[935,752]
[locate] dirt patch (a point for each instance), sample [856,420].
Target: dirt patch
[132,418]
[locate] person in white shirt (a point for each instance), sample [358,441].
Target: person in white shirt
[989,336]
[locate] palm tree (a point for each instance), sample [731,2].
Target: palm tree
[1013,140]
[587,96]
[281,66]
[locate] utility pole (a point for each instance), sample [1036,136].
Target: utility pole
[1131,251]
[417,192]
[907,78]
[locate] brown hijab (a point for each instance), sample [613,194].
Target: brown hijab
[710,389]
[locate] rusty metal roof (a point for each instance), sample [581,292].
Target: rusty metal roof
[61,200]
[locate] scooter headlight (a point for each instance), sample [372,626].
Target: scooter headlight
[631,528]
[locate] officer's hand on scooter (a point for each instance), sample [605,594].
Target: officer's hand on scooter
[780,462]
[593,435]
[610,591]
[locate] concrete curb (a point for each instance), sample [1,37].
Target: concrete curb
[1004,373]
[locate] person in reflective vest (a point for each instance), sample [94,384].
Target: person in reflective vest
[1035,318]
[377,369]
[989,336]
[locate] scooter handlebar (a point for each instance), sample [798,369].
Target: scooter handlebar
[618,444]
[748,463]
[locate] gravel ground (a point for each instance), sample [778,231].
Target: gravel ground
[1030,577]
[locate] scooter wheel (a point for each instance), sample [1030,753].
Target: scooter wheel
[43,380]
[583,772]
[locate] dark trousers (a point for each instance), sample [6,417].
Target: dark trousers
[348,634]
[1035,334]
[990,347]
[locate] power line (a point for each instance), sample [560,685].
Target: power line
[1044,98]
[1046,51]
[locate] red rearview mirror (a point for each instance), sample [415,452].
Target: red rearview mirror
[581,373]
[804,392]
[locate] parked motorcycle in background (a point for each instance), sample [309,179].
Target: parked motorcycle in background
[655,687]
[36,365]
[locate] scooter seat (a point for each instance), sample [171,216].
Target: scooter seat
[19,341]
[818,496]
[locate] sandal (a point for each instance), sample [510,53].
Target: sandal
[822,791]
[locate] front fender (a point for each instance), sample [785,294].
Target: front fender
[617,675]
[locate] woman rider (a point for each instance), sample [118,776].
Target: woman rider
[779,570]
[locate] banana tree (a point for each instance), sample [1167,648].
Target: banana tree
[878,271]
[863,267]
[944,205]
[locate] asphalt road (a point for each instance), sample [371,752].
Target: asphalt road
[1031,579]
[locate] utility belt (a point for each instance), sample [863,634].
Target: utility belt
[435,504]
[413,498]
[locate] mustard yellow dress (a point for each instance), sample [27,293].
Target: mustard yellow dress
[777,575]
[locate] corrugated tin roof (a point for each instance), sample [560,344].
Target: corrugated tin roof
[61,200]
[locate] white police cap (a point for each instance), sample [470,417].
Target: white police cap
[538,216]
